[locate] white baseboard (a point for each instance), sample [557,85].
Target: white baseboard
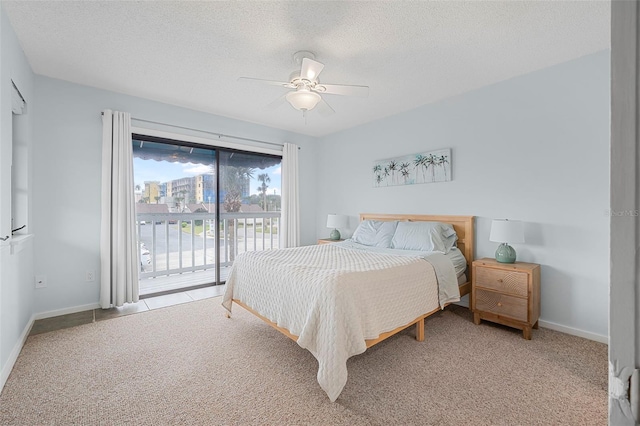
[6,370]
[65,311]
[557,327]
[574,331]
[13,356]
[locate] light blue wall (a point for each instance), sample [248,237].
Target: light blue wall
[16,267]
[67,160]
[534,148]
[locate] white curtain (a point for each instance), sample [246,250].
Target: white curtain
[290,197]
[119,251]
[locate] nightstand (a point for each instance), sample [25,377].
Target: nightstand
[328,241]
[506,293]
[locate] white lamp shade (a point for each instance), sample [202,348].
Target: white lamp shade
[506,231]
[303,99]
[336,221]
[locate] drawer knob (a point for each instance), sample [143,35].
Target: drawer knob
[499,304]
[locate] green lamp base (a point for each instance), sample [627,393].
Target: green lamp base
[335,235]
[505,253]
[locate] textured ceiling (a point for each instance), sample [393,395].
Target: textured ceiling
[410,53]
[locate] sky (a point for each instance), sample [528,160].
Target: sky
[163,171]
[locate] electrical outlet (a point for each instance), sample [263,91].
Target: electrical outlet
[41,281]
[91,276]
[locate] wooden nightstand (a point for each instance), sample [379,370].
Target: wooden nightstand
[328,241]
[506,293]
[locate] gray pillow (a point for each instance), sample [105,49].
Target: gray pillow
[424,236]
[449,236]
[375,233]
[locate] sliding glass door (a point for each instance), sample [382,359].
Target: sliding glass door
[198,207]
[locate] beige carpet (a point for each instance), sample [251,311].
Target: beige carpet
[189,365]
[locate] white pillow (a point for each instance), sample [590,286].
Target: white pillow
[375,233]
[424,236]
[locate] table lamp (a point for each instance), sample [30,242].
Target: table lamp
[503,232]
[336,221]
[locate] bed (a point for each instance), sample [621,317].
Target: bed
[337,300]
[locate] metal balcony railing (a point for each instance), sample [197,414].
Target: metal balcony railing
[174,243]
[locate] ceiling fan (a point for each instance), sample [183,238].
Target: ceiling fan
[307,86]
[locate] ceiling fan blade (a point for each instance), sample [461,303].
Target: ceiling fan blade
[310,69]
[345,90]
[277,103]
[324,108]
[271,82]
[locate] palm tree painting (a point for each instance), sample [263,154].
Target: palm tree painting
[404,171]
[425,167]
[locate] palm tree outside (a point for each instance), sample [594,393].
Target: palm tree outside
[265,179]
[184,199]
[233,179]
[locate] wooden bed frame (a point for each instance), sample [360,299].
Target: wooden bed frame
[464,227]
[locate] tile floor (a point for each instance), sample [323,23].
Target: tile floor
[71,320]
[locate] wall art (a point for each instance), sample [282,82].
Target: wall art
[426,167]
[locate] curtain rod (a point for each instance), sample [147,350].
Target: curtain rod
[219,135]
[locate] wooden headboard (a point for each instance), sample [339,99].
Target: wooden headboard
[463,226]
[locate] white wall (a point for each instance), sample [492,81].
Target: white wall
[67,164]
[16,264]
[534,148]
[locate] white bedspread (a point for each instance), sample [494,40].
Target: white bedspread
[334,298]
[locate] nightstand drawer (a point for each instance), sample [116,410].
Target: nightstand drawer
[501,304]
[515,283]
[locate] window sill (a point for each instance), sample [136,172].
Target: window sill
[18,242]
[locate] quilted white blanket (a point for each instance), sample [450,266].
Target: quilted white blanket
[334,298]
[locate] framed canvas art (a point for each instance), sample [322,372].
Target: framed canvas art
[426,167]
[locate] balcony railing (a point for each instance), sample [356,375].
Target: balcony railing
[175,243]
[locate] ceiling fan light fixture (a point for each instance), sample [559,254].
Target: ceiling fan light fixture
[306,88]
[303,99]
